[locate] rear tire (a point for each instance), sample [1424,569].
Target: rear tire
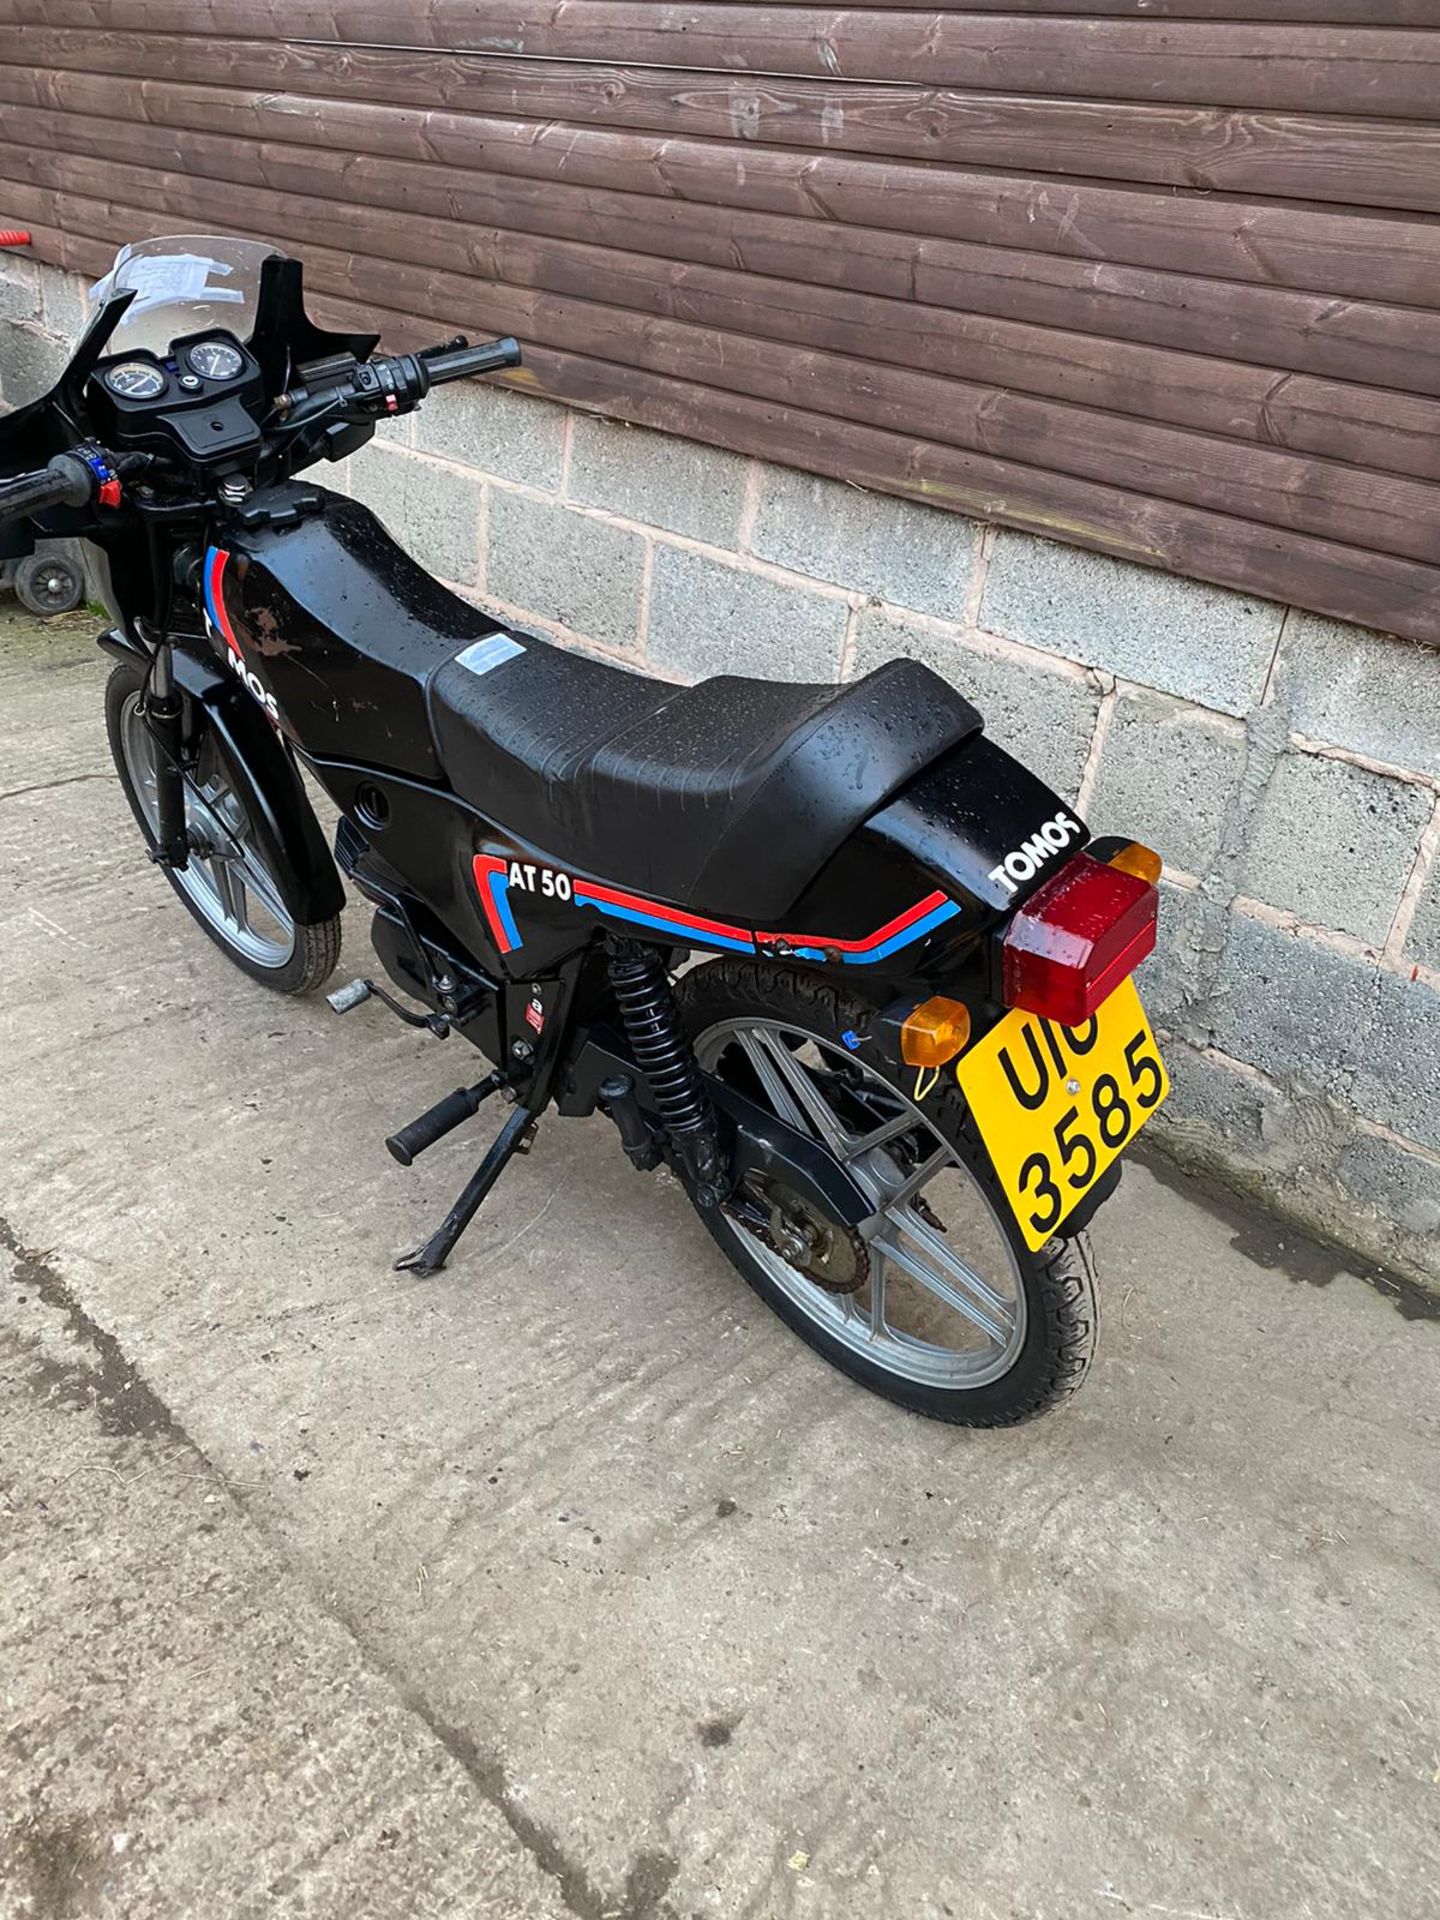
[237,902]
[1041,1342]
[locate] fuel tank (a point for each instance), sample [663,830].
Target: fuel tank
[334,626]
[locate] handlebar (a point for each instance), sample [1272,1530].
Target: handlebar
[395,384]
[69,480]
[456,363]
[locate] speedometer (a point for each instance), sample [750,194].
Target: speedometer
[135,380]
[215,360]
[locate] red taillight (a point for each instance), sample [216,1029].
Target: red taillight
[1073,942]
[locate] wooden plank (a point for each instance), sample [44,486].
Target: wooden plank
[1392,72]
[1380,163]
[1379,256]
[1378,345]
[1395,595]
[571,298]
[1332,417]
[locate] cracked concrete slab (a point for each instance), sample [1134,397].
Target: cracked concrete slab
[576,1574]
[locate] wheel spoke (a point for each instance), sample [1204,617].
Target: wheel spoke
[770,1081]
[805,1093]
[229,890]
[963,1289]
[877,1299]
[996,1327]
[262,885]
[890,1130]
[921,1176]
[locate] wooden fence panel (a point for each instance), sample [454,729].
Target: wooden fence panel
[1158,276]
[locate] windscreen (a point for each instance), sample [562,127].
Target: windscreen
[183,284]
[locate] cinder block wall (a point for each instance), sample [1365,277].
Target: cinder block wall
[1287,767]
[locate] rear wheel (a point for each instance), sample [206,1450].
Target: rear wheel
[226,884]
[935,1301]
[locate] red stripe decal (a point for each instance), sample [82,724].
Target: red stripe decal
[876,939]
[589,890]
[216,593]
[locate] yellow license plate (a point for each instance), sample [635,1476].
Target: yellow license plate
[1055,1105]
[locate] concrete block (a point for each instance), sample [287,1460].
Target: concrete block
[1043,717]
[1216,1106]
[433,513]
[1203,643]
[1167,979]
[1397,1069]
[508,434]
[1349,687]
[1424,941]
[1392,1183]
[63,302]
[19,289]
[1335,844]
[31,361]
[1166,775]
[1297,1010]
[658,478]
[559,565]
[708,618]
[893,550]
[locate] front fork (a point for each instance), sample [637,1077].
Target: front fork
[164,716]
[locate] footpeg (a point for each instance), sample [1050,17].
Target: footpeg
[344,998]
[447,1114]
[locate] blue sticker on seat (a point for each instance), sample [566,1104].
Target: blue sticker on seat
[483,656]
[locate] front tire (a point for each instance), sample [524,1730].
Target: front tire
[955,1317]
[231,894]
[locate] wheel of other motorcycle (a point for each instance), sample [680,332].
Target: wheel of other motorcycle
[226,884]
[49,583]
[935,1301]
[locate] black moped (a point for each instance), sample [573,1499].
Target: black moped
[848,970]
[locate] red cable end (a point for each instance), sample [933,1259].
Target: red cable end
[14,237]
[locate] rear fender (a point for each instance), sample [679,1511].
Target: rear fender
[935,870]
[269,787]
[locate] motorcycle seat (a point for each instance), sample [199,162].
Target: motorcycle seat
[726,797]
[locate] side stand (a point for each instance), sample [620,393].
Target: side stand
[437,1249]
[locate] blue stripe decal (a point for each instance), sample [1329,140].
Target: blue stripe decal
[691,935]
[500,895]
[945,911]
[205,580]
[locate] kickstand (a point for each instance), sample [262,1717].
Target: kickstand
[510,1140]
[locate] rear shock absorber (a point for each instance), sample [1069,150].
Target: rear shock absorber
[665,1056]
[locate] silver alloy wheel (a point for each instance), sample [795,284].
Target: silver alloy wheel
[230,885]
[926,1312]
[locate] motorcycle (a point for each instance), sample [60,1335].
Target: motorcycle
[852,974]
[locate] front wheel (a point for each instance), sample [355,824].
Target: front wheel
[226,884]
[934,1301]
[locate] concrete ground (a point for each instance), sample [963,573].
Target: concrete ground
[569,1583]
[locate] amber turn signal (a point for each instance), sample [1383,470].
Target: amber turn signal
[1143,862]
[934,1032]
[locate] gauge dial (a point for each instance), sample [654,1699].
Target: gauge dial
[135,379]
[215,360]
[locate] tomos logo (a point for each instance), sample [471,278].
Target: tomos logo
[255,686]
[1028,858]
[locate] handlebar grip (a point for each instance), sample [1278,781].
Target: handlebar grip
[491,356]
[66,481]
[442,1118]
